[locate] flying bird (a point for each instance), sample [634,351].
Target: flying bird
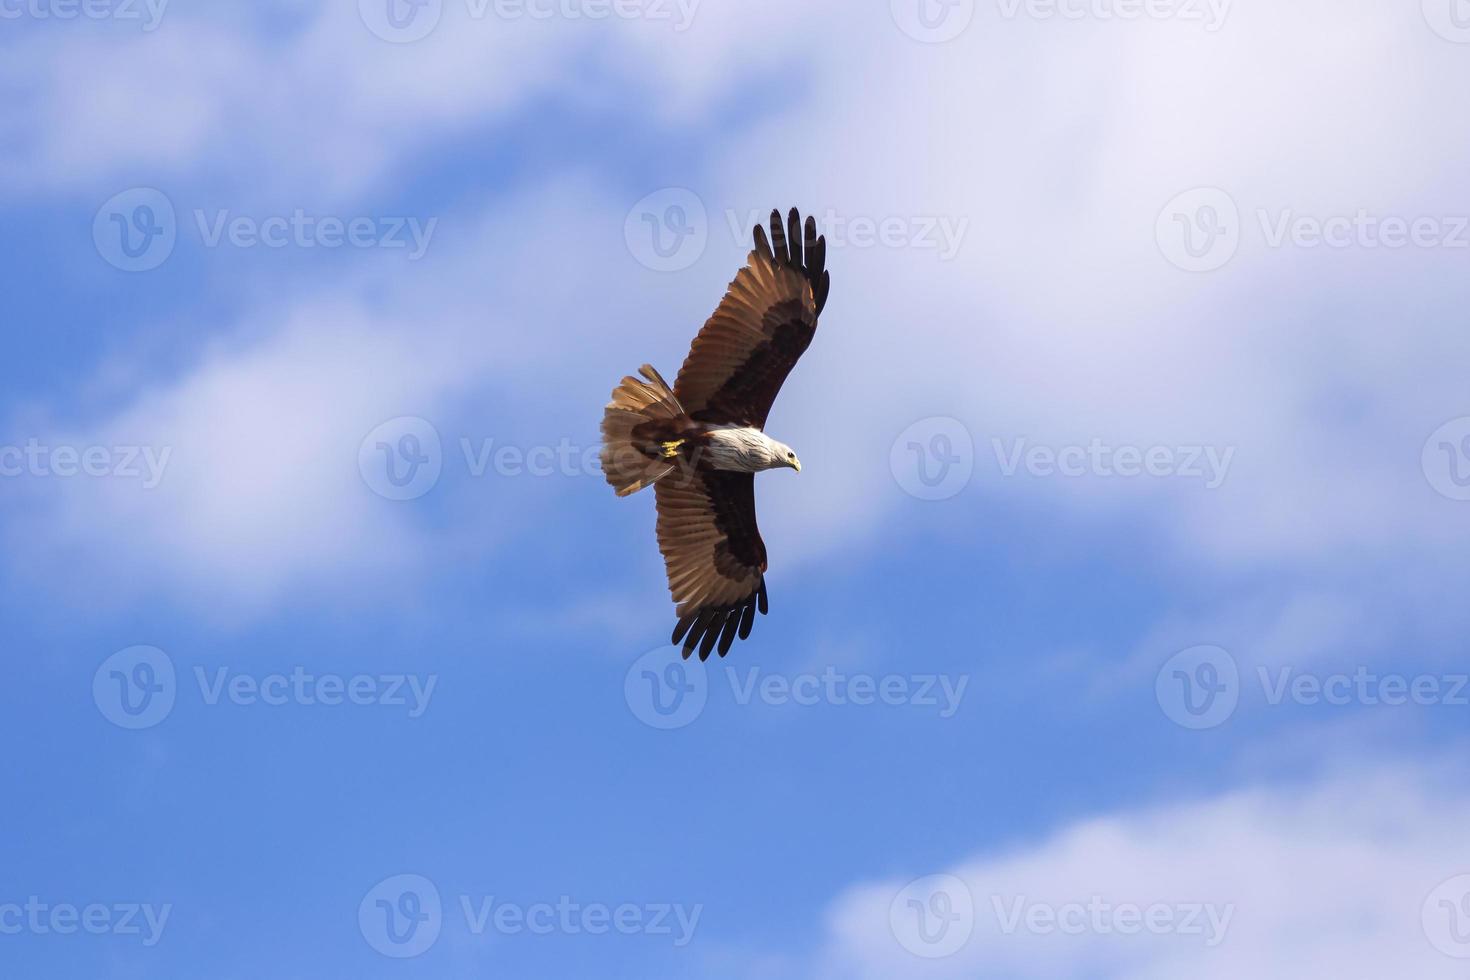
[700,444]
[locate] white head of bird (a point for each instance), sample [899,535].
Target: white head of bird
[748,450]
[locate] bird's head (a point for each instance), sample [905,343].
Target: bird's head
[787,456]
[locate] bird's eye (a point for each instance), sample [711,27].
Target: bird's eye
[791,455]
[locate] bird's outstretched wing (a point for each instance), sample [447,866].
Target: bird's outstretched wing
[715,557]
[766,320]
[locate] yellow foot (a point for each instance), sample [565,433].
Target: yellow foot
[671,449]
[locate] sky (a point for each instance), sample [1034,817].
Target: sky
[1116,615]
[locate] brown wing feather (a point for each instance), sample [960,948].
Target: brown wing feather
[744,352]
[714,555]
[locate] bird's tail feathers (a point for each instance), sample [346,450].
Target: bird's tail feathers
[630,463]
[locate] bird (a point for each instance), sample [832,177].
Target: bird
[700,443]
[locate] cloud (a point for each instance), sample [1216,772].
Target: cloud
[1061,320]
[325,109]
[260,494]
[1057,319]
[261,489]
[1327,879]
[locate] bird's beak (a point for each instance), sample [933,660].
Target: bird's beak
[796,465]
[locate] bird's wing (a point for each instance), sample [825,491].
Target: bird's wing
[714,554]
[766,320]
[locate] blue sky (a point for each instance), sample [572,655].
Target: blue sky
[1117,619]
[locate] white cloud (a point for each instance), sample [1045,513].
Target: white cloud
[1058,319]
[261,491]
[262,494]
[1329,879]
[1061,320]
[323,111]
[327,108]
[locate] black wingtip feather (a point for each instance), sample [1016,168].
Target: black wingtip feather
[718,627]
[797,244]
[711,635]
[778,238]
[727,638]
[682,627]
[701,622]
